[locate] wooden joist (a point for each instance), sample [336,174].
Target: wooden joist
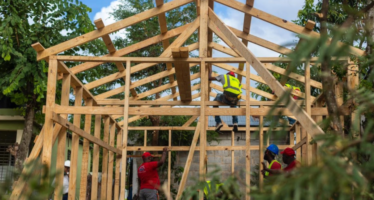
[182,72]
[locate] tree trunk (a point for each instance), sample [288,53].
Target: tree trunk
[327,78]
[26,138]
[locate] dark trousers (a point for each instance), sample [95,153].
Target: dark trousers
[221,98]
[65,196]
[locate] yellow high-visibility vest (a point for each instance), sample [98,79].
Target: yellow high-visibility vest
[271,164]
[292,87]
[232,85]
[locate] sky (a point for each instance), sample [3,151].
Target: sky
[285,9]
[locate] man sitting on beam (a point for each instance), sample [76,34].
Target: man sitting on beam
[232,90]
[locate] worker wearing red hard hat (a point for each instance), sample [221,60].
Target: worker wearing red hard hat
[232,90]
[288,158]
[149,180]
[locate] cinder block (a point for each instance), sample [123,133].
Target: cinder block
[226,160]
[215,160]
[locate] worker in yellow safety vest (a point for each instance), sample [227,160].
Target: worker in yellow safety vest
[232,90]
[269,155]
[293,88]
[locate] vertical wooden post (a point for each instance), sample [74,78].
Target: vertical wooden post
[48,125]
[61,146]
[203,53]
[298,135]
[118,164]
[308,108]
[75,146]
[145,139]
[96,157]
[202,169]
[261,149]
[169,162]
[104,164]
[111,159]
[125,130]
[232,152]
[352,83]
[86,154]
[248,133]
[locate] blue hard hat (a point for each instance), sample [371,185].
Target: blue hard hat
[273,148]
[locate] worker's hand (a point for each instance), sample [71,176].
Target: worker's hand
[165,149]
[263,172]
[264,165]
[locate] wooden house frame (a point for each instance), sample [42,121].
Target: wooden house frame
[107,110]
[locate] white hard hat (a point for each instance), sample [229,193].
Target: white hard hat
[67,163]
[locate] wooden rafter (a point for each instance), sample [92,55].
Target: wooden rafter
[110,29]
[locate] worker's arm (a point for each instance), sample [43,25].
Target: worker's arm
[273,171]
[138,186]
[210,75]
[163,158]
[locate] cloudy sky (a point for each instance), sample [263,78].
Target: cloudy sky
[285,9]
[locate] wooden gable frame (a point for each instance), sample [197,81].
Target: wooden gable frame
[107,112]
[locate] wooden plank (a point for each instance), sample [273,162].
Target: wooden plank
[85,153]
[261,149]
[104,163]
[298,145]
[298,136]
[169,164]
[37,47]
[310,25]
[188,161]
[232,152]
[110,29]
[96,157]
[305,120]
[118,165]
[223,49]
[183,74]
[110,164]
[61,145]
[125,132]
[121,52]
[248,133]
[278,21]
[178,111]
[48,125]
[102,143]
[190,121]
[179,128]
[164,56]
[198,148]
[74,142]
[308,108]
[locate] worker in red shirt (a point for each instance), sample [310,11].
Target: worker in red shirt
[270,153]
[288,158]
[148,176]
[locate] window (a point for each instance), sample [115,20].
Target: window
[6,159]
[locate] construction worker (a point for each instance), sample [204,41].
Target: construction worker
[269,155]
[232,90]
[291,120]
[149,180]
[288,158]
[65,183]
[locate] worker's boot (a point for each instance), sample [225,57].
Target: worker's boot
[235,127]
[218,127]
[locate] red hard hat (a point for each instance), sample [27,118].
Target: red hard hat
[231,74]
[146,154]
[288,151]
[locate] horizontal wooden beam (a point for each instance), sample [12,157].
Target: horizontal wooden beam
[94,110]
[197,148]
[65,123]
[182,103]
[179,128]
[110,28]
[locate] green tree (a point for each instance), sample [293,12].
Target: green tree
[23,79]
[145,30]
